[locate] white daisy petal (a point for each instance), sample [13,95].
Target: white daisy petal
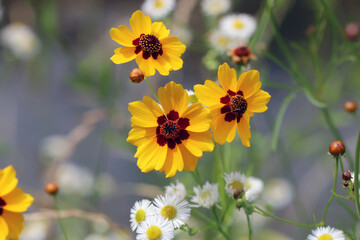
[205,196]
[141,211]
[155,228]
[158,8]
[222,42]
[236,181]
[178,188]
[253,188]
[238,25]
[326,233]
[215,7]
[278,192]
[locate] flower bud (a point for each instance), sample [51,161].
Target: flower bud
[136,75]
[51,188]
[241,55]
[346,176]
[345,184]
[352,31]
[239,193]
[337,148]
[350,106]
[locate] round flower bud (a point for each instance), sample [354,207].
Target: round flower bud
[51,188]
[345,184]
[136,75]
[350,106]
[337,148]
[352,31]
[241,55]
[346,176]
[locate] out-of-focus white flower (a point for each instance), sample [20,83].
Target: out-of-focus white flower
[21,40]
[176,189]
[158,8]
[206,196]
[238,25]
[73,179]
[183,34]
[326,233]
[156,228]
[105,184]
[215,7]
[222,42]
[54,147]
[35,230]
[100,226]
[278,192]
[140,212]
[253,188]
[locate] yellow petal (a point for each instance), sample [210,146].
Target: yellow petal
[173,46]
[249,83]
[140,24]
[156,160]
[190,161]
[123,36]
[123,55]
[222,130]
[146,65]
[145,113]
[15,222]
[162,65]
[244,131]
[8,180]
[159,30]
[209,94]
[257,102]
[4,229]
[145,153]
[173,97]
[138,135]
[227,77]
[17,201]
[177,162]
[198,116]
[175,61]
[198,143]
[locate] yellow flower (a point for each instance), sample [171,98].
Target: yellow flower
[170,137]
[13,201]
[233,103]
[149,43]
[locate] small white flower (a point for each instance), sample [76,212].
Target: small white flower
[326,233]
[173,208]
[190,92]
[21,40]
[206,196]
[176,189]
[54,147]
[35,230]
[238,25]
[155,228]
[141,211]
[158,8]
[278,192]
[215,7]
[183,34]
[222,42]
[253,189]
[235,181]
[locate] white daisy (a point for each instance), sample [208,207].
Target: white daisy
[183,34]
[278,192]
[222,42]
[155,228]
[235,181]
[176,189]
[141,211]
[158,8]
[253,188]
[238,25]
[206,196]
[326,233]
[215,7]
[173,208]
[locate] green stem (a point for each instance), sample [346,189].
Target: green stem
[152,89]
[249,226]
[59,217]
[197,177]
[333,191]
[203,217]
[356,179]
[221,230]
[341,164]
[266,214]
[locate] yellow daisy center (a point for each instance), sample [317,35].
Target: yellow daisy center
[140,215]
[325,236]
[159,3]
[248,185]
[169,212]
[236,185]
[153,233]
[205,195]
[150,43]
[238,24]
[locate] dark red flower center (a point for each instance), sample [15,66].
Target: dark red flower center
[149,45]
[171,129]
[235,105]
[2,203]
[242,51]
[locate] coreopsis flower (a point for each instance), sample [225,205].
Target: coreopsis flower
[238,25]
[215,7]
[326,233]
[156,228]
[149,43]
[176,189]
[171,136]
[141,211]
[241,55]
[158,8]
[13,201]
[174,208]
[233,103]
[206,196]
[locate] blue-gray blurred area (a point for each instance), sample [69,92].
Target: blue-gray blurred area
[71,74]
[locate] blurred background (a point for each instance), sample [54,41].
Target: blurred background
[64,114]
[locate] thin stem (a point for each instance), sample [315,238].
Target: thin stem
[333,191]
[203,217]
[152,89]
[249,226]
[341,164]
[59,218]
[197,177]
[266,214]
[221,230]
[356,179]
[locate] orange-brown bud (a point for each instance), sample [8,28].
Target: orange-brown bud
[337,148]
[136,75]
[350,106]
[346,176]
[352,31]
[51,188]
[241,55]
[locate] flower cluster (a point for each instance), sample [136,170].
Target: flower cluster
[250,187]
